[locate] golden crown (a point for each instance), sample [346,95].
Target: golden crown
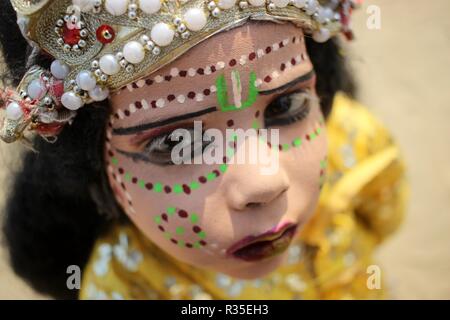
[100,46]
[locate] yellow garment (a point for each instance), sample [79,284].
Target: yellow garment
[361,203]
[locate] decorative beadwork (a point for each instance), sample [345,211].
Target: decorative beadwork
[81,34]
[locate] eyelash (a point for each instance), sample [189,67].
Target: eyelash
[303,97]
[165,137]
[301,114]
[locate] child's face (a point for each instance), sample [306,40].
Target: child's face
[208,214]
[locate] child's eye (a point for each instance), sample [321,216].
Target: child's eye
[287,109]
[159,149]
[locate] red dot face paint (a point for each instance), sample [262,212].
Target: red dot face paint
[195,212]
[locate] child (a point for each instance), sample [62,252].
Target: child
[109,90]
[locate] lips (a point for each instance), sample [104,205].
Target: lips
[266,245]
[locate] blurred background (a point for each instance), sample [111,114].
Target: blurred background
[403,71]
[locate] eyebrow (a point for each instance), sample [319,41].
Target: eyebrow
[289,84]
[150,125]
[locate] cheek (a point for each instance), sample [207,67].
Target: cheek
[166,204]
[304,152]
[181,227]
[119,188]
[311,162]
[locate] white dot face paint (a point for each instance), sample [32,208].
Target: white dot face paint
[202,213]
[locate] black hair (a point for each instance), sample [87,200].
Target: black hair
[60,201]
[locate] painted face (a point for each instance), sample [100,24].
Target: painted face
[228,217]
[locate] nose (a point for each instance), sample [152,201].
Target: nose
[251,189]
[246,187]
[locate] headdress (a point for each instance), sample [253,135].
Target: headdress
[100,46]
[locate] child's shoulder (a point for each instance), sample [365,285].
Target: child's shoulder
[365,165]
[354,133]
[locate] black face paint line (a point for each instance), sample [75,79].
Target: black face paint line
[151,125]
[284,87]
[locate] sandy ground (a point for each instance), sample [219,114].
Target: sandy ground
[404,75]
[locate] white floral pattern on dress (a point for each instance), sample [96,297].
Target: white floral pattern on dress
[93,293]
[101,265]
[128,257]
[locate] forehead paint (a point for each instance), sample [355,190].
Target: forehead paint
[222,97]
[176,236]
[207,70]
[222,92]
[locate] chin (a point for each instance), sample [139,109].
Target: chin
[257,269]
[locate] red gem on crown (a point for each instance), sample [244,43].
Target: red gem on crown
[105,34]
[71,37]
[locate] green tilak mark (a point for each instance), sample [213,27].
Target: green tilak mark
[181,243]
[237,88]
[141,184]
[197,245]
[285,146]
[114,161]
[222,93]
[127,177]
[255,125]
[238,78]
[157,219]
[167,235]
